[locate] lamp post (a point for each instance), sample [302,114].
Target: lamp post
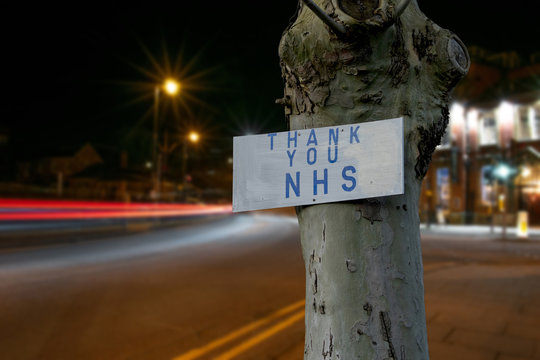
[170,87]
[193,137]
[503,172]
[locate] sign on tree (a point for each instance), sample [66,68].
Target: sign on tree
[320,165]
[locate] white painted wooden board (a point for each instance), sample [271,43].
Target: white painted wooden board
[312,166]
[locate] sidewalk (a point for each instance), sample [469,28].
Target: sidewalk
[482,295]
[483,311]
[478,312]
[479,231]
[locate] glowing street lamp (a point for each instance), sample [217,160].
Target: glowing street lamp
[193,137]
[502,171]
[171,86]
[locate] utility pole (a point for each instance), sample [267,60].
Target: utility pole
[156,159]
[347,62]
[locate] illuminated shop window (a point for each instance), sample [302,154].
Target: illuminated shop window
[443,187]
[486,186]
[528,124]
[523,125]
[487,128]
[534,113]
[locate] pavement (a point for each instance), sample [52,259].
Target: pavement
[479,231]
[483,311]
[482,294]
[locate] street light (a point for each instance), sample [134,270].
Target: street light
[192,137]
[502,171]
[170,87]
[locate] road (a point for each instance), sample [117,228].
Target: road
[154,295]
[233,288]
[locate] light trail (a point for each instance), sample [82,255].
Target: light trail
[23,209]
[70,204]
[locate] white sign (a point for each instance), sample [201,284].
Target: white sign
[313,166]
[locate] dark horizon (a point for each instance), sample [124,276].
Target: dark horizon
[74,80]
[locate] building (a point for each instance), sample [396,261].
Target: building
[488,164]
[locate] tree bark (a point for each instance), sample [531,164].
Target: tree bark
[364,276]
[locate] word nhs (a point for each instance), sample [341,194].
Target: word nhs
[314,160]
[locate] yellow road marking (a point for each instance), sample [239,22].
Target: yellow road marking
[261,337]
[195,353]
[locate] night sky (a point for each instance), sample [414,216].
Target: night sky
[83,73]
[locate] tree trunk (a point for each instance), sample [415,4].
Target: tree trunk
[366,61]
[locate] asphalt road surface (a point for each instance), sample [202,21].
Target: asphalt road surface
[157,295]
[233,288]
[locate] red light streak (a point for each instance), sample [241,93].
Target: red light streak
[23,209]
